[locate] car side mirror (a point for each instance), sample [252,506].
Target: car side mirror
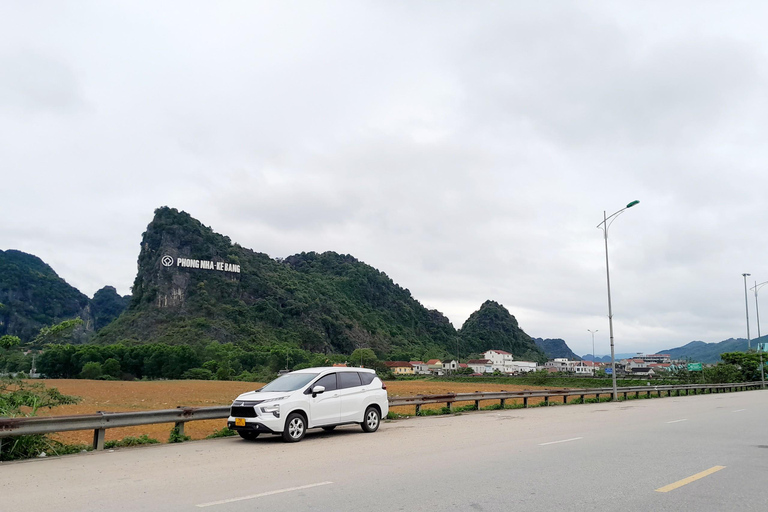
[317,390]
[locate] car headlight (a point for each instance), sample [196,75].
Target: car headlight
[273,409]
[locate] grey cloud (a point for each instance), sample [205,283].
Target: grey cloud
[32,83]
[468,151]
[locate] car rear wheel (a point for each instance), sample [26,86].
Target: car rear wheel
[295,428]
[248,435]
[371,420]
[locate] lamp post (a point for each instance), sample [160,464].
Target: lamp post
[604,226]
[746,306]
[593,349]
[759,346]
[757,309]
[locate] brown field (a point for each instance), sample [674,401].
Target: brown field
[120,396]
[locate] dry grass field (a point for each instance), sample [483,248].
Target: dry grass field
[120,396]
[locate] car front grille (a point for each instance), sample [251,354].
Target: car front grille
[243,412]
[244,408]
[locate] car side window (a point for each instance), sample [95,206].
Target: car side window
[349,380]
[328,382]
[366,377]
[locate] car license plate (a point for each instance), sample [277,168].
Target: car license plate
[239,422]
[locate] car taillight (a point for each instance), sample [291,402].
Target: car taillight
[383,386]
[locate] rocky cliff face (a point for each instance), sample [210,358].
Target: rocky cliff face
[195,286]
[33,296]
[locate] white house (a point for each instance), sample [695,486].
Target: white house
[524,366]
[480,365]
[585,368]
[505,362]
[500,360]
[451,366]
[420,367]
[561,364]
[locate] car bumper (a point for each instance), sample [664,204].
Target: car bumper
[270,425]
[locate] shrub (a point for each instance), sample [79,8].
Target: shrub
[92,370]
[177,437]
[131,441]
[224,432]
[197,374]
[15,394]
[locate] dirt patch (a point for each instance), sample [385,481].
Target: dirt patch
[119,396]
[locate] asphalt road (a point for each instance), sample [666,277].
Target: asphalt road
[709,453]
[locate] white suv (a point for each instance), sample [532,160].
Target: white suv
[309,398]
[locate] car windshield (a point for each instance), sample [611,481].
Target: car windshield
[289,382]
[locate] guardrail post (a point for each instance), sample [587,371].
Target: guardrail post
[648,394]
[582,398]
[625,395]
[525,401]
[98,438]
[477,405]
[450,406]
[179,427]
[418,409]
[546,400]
[565,399]
[502,403]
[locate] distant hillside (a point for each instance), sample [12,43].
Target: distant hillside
[556,348]
[33,296]
[493,327]
[710,352]
[607,359]
[195,286]
[107,305]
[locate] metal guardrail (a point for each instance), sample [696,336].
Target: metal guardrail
[101,421]
[502,396]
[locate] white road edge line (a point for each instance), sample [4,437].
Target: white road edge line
[739,410]
[676,421]
[563,441]
[262,494]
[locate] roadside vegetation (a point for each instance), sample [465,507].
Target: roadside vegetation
[19,398]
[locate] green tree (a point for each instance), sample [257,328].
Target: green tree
[8,341]
[58,333]
[748,364]
[91,370]
[111,367]
[722,373]
[363,356]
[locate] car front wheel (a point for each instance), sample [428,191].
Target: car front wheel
[371,420]
[295,428]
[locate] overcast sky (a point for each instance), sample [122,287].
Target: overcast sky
[466,149]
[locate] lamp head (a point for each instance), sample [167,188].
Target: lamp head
[633,203]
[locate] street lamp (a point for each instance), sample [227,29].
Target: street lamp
[593,349]
[746,305]
[604,226]
[759,346]
[757,309]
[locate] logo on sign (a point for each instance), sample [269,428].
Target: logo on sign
[167,261]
